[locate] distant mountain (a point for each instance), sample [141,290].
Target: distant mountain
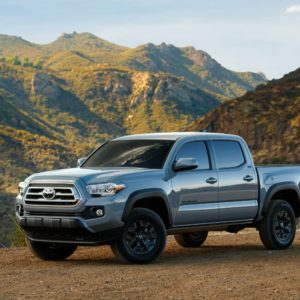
[16,46]
[85,49]
[268,118]
[84,42]
[195,65]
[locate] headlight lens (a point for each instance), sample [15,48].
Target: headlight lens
[106,189]
[22,187]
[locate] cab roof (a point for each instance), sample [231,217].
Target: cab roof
[174,136]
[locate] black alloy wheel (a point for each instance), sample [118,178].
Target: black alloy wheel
[278,228]
[143,237]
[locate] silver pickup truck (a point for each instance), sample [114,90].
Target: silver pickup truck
[133,191]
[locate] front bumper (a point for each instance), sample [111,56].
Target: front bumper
[75,233]
[78,224]
[66,229]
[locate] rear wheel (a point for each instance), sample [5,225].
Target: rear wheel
[50,251]
[192,239]
[143,237]
[277,230]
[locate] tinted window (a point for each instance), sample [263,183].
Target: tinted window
[131,153]
[229,154]
[195,150]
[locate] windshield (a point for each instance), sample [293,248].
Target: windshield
[149,154]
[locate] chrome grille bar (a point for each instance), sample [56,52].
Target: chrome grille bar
[61,195]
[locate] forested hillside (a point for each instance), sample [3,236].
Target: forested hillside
[268,118]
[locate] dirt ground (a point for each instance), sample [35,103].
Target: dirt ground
[228,266]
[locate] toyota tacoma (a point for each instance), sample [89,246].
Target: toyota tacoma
[133,191]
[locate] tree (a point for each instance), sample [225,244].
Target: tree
[27,63]
[38,64]
[15,60]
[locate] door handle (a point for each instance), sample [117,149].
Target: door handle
[211,180]
[248,178]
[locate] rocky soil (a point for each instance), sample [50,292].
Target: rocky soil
[228,266]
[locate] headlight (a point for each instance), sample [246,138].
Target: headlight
[22,187]
[106,189]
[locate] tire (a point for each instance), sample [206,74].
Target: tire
[50,251]
[143,237]
[192,239]
[278,228]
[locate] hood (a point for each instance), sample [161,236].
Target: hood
[102,175]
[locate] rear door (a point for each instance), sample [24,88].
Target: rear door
[238,186]
[196,191]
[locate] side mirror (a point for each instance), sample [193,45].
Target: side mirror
[80,161]
[185,163]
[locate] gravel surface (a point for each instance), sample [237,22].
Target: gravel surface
[228,266]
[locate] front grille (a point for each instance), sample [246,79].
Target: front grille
[51,194]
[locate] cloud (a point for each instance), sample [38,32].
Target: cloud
[293,9]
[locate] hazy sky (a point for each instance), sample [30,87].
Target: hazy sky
[243,35]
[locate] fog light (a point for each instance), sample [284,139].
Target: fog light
[99,212]
[20,210]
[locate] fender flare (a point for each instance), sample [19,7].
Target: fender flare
[278,187]
[147,193]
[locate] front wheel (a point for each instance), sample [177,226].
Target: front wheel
[192,239]
[143,237]
[50,251]
[278,228]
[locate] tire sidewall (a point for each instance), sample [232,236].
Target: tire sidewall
[187,240]
[277,207]
[196,241]
[50,251]
[150,216]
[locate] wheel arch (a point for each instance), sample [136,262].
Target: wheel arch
[159,204]
[287,191]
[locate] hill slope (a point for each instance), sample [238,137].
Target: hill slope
[97,102]
[268,118]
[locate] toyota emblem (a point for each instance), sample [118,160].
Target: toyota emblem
[49,193]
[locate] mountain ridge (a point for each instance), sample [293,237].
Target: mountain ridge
[195,65]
